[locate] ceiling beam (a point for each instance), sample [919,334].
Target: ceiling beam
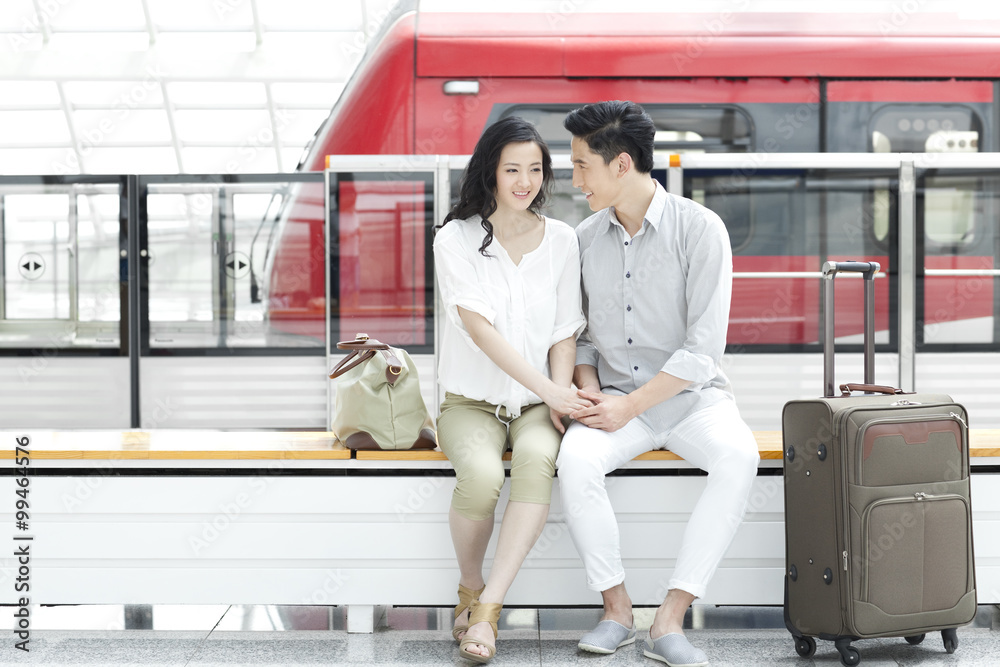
[150,25]
[43,23]
[272,112]
[258,66]
[175,136]
[73,136]
[257,27]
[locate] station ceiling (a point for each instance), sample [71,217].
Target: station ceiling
[168,86]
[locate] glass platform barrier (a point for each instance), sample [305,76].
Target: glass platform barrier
[243,284]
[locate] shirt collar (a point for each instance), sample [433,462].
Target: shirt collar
[655,211]
[653,214]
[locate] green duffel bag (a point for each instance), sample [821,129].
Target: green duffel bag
[378,403]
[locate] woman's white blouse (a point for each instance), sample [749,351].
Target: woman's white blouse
[533,305]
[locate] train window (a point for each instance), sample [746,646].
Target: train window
[925,128]
[679,128]
[958,300]
[930,128]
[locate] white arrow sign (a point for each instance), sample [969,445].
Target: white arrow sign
[31,266]
[237,265]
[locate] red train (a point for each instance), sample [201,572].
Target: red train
[723,81]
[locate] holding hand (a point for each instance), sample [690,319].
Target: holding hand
[563,401]
[608,413]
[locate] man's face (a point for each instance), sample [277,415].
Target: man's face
[598,181]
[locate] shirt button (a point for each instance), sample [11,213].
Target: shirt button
[629,341]
[628,308]
[626,243]
[635,368]
[628,275]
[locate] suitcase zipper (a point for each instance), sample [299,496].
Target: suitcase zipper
[846,413]
[919,496]
[860,438]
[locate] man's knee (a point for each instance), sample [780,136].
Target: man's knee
[576,467]
[741,462]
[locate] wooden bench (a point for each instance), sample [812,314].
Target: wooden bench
[231,517]
[189,445]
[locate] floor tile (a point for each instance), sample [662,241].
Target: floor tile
[55,648]
[262,636]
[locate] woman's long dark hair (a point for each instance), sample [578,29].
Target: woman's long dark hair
[479,182]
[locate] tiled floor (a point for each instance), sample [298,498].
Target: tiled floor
[271,636]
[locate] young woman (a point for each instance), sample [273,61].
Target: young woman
[510,282]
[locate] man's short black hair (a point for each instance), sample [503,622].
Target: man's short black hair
[615,127]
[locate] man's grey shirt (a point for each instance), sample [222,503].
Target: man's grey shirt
[658,302]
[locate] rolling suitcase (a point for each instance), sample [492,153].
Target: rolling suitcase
[878,520]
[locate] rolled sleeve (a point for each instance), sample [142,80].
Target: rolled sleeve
[586,351]
[695,368]
[709,289]
[459,289]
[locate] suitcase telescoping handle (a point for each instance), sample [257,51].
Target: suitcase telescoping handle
[830,270]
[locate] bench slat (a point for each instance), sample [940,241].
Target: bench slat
[179,445]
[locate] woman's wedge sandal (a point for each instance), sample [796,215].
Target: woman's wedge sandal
[478,613]
[465,598]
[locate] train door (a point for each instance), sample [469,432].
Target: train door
[63,288]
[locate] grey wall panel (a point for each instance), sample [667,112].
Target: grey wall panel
[53,391]
[233,392]
[763,383]
[971,378]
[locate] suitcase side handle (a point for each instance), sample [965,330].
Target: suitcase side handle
[830,271]
[846,389]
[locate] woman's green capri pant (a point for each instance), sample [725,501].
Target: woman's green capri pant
[474,440]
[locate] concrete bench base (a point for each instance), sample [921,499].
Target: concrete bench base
[365,534]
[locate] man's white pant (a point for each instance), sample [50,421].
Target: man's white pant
[714,439]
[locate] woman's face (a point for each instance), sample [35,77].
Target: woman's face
[519,176]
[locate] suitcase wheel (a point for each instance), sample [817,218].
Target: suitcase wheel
[805,646]
[848,654]
[915,639]
[950,637]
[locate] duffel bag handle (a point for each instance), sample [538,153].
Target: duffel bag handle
[355,358]
[846,389]
[362,349]
[362,342]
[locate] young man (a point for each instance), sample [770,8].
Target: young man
[657,280]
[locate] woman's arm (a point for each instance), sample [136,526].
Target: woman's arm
[562,361]
[560,397]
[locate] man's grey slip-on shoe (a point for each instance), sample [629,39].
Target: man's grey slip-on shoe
[675,650]
[607,637]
